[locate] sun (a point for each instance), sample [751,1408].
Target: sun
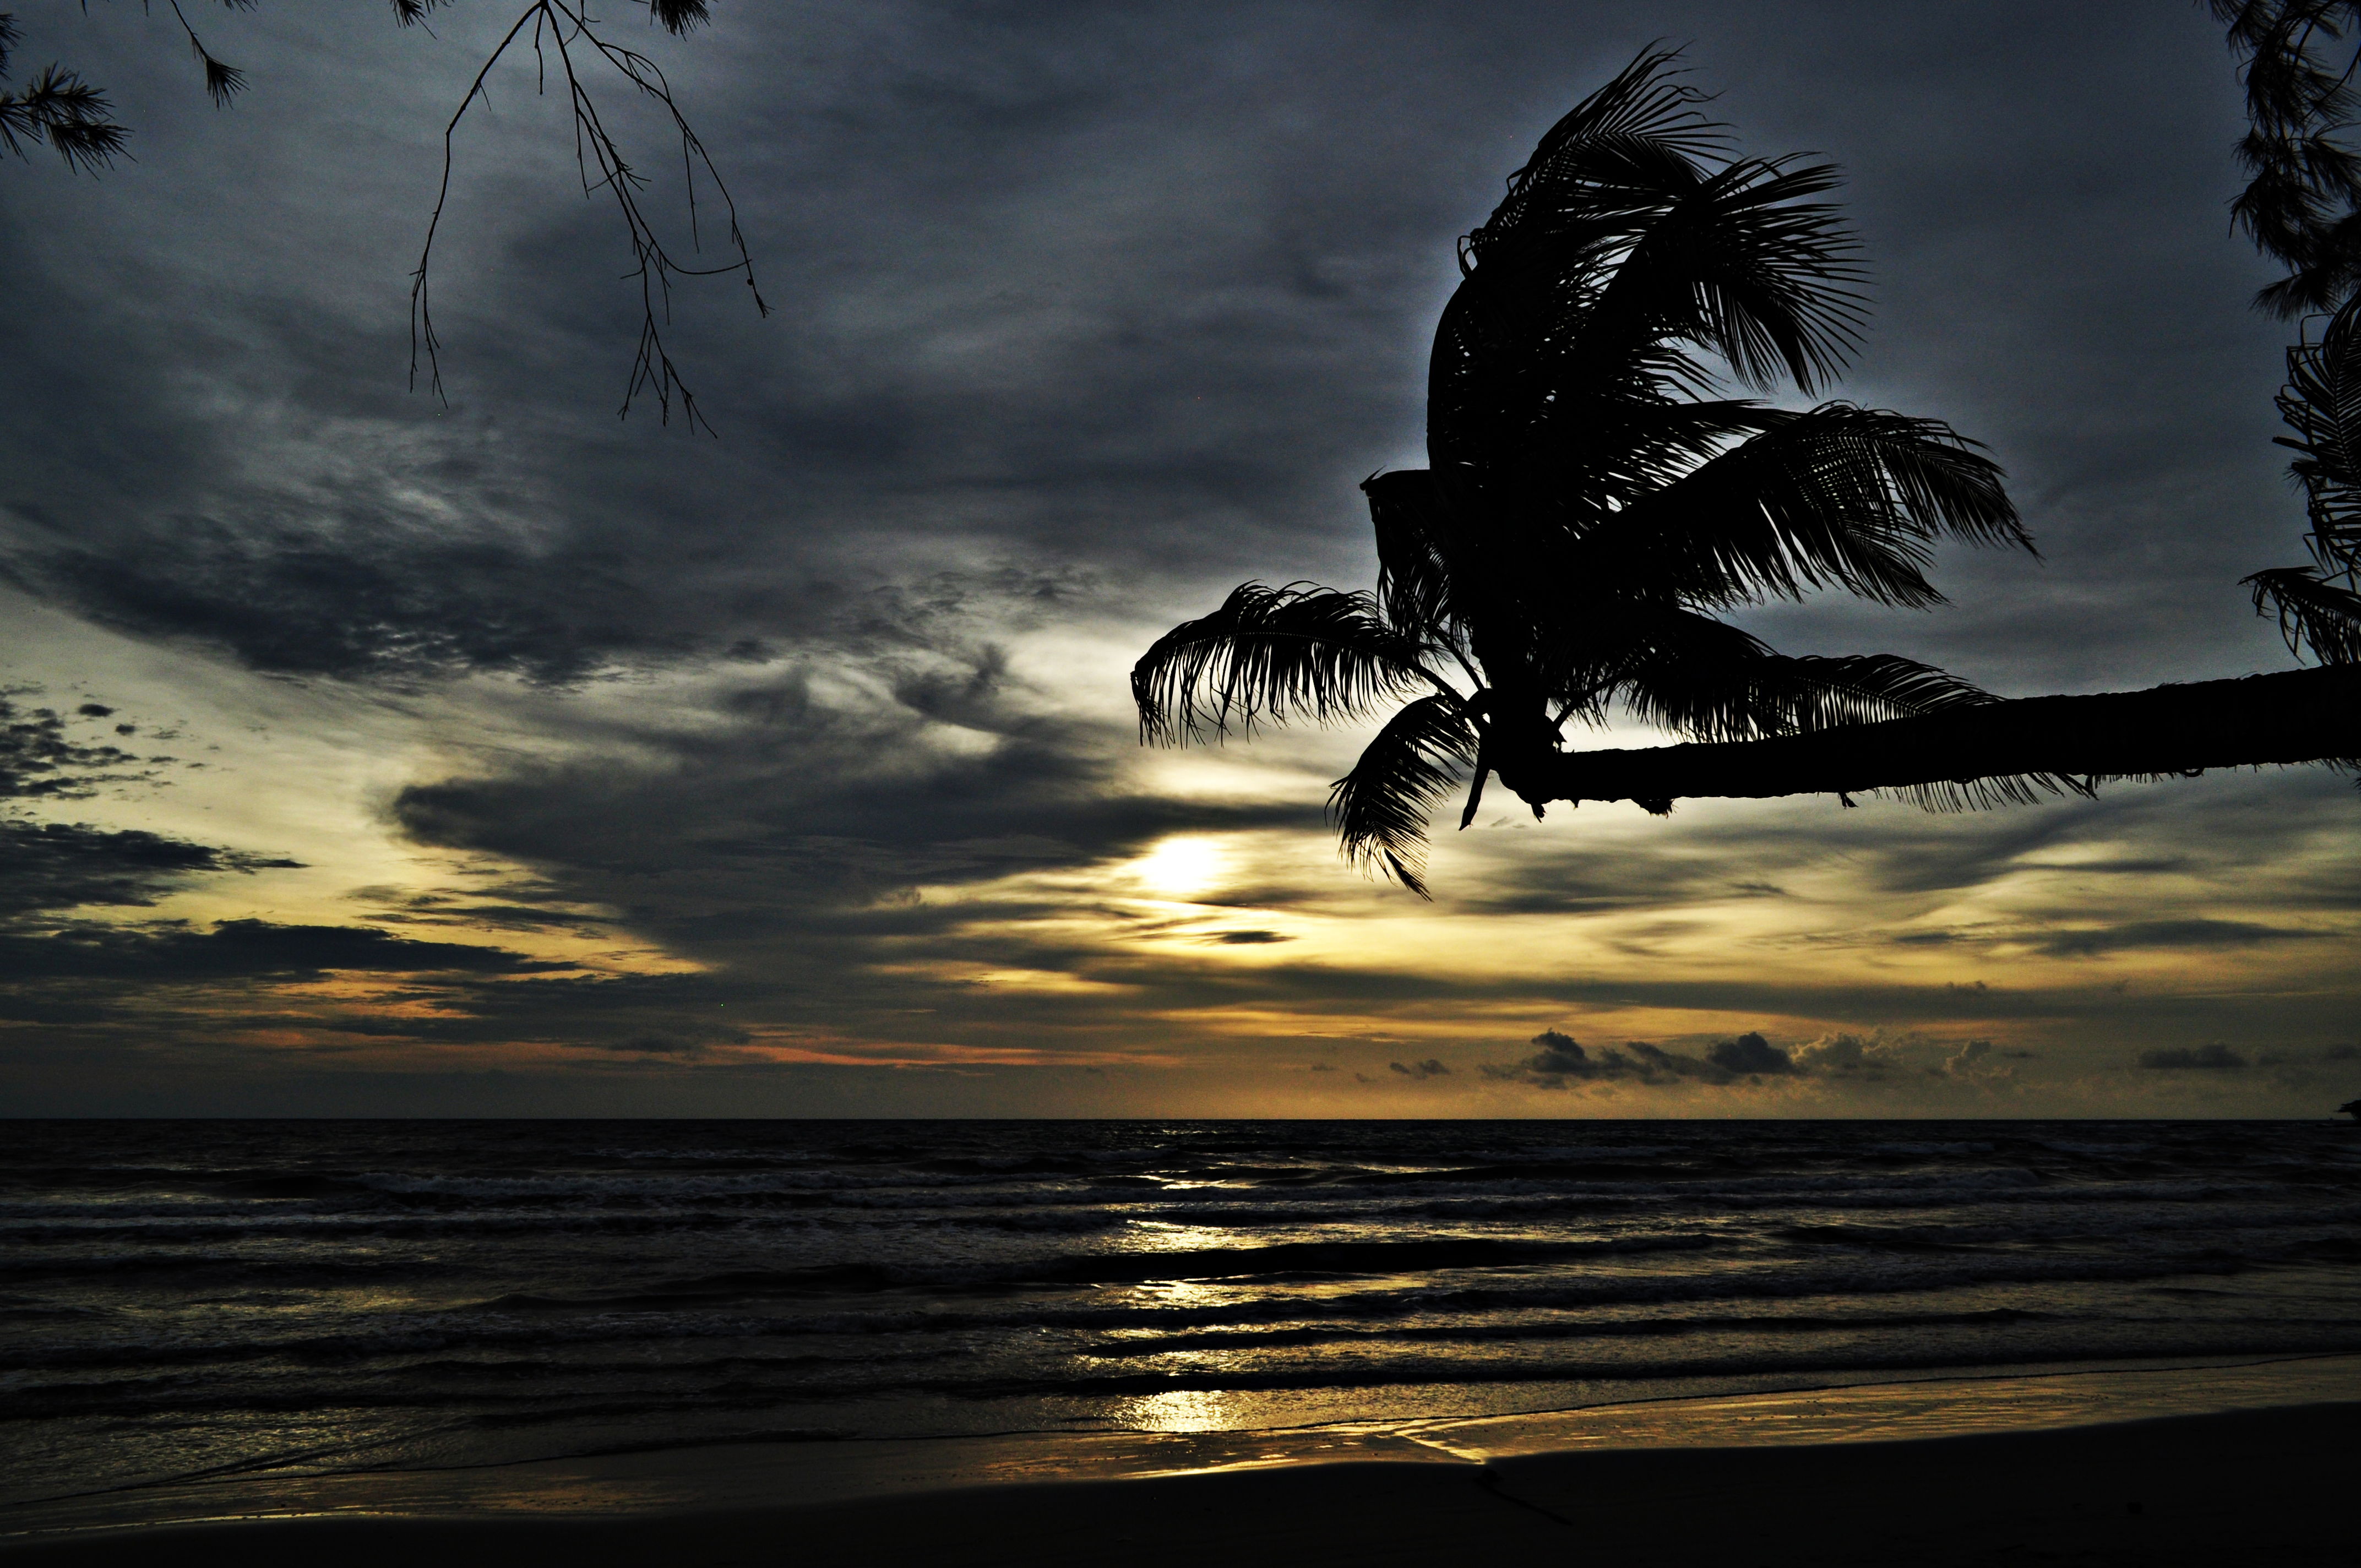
[1178,868]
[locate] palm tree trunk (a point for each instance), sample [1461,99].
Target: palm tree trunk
[2297,716]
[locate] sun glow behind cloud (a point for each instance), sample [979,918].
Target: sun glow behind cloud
[1181,868]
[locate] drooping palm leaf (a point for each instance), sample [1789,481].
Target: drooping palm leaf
[1380,809]
[1734,262]
[1840,497]
[1740,699]
[1741,268]
[1616,253]
[1581,657]
[1779,694]
[2311,613]
[1273,653]
[1592,454]
[1645,120]
[1414,569]
[2322,403]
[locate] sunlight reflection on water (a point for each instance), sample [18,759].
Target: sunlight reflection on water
[1183,1410]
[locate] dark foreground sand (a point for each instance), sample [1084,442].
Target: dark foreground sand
[2274,1488]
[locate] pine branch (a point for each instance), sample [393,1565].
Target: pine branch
[72,117]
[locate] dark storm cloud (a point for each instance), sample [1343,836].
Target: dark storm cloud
[238,949]
[1750,1056]
[56,866]
[1166,268]
[805,808]
[1010,358]
[1167,265]
[363,602]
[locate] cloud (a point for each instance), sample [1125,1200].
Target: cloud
[1750,1056]
[2214,1057]
[1843,1055]
[2190,933]
[240,949]
[1422,1070]
[651,1045]
[39,759]
[1976,1061]
[49,866]
[1560,1059]
[379,597]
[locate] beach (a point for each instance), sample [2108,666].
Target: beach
[2072,1466]
[2271,1486]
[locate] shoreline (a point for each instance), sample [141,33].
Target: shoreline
[2263,1486]
[891,1482]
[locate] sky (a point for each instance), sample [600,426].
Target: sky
[368,755]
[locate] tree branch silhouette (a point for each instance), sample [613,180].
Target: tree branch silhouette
[75,120]
[57,107]
[560,29]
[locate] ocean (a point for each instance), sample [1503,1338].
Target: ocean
[187,1300]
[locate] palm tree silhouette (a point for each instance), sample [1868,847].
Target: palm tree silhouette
[1592,504]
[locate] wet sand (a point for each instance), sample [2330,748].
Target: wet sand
[2267,1487]
[2080,1467]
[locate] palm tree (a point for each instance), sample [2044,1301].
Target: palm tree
[1592,504]
[2296,716]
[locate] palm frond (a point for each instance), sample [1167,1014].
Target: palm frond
[1615,450]
[1575,653]
[1380,809]
[1719,697]
[1610,274]
[2322,403]
[1838,497]
[1637,136]
[1414,575]
[2311,613]
[1273,653]
[1740,699]
[1745,268]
